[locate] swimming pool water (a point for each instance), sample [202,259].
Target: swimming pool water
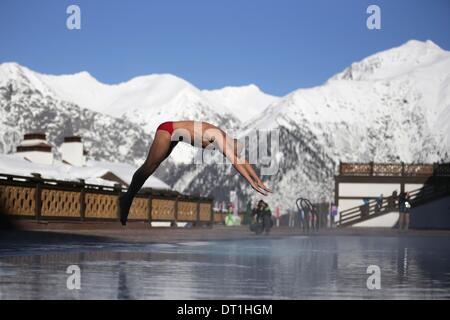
[301,267]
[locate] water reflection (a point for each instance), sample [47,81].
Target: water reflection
[316,267]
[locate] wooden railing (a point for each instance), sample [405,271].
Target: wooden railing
[394,169]
[372,209]
[47,199]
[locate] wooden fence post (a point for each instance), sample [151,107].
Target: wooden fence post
[38,200]
[82,200]
[198,212]
[38,196]
[149,209]
[118,189]
[211,213]
[176,212]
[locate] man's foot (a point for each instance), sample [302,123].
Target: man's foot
[124,208]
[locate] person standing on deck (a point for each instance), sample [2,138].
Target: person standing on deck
[402,209]
[406,211]
[379,203]
[333,215]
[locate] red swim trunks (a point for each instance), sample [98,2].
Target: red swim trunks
[166,126]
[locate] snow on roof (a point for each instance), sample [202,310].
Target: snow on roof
[125,172]
[91,173]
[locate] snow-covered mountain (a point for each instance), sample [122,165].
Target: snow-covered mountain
[147,100]
[243,102]
[391,106]
[27,104]
[150,100]
[394,105]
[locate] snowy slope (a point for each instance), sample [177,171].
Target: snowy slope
[27,104]
[146,100]
[244,102]
[402,94]
[157,98]
[21,77]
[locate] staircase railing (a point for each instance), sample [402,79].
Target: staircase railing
[372,209]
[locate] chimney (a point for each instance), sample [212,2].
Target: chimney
[35,148]
[72,151]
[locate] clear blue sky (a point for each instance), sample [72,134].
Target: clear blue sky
[279,45]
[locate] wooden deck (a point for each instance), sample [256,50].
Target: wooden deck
[137,232]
